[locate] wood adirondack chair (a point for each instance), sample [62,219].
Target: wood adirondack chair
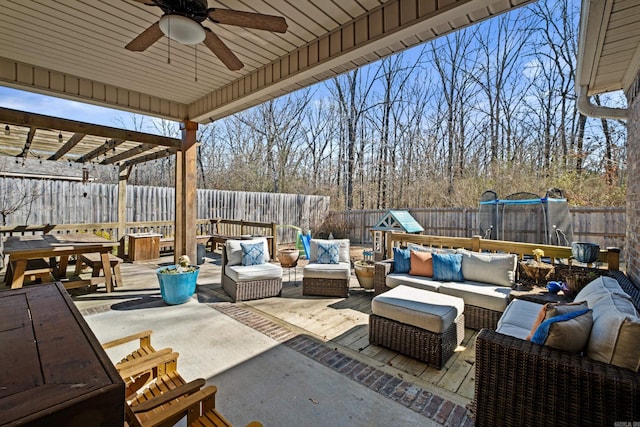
[157,395]
[129,366]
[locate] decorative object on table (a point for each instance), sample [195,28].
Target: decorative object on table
[554,287]
[535,268]
[585,252]
[364,272]
[178,282]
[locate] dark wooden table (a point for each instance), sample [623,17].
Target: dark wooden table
[539,295]
[53,371]
[23,248]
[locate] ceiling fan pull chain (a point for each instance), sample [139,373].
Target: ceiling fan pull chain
[196,67]
[169,43]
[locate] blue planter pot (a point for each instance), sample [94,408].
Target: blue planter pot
[177,288]
[585,252]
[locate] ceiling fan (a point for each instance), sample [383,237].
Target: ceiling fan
[182,22]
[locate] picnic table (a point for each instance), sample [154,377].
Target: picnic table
[21,249]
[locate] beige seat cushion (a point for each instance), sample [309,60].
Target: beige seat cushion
[517,319]
[478,294]
[341,270]
[424,309]
[249,273]
[497,269]
[599,288]
[395,279]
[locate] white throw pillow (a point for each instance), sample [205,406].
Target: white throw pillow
[496,269]
[343,255]
[234,250]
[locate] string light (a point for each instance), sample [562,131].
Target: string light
[60,137]
[7,130]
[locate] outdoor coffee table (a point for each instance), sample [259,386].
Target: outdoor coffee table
[540,295]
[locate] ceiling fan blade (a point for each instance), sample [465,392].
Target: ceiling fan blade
[221,50]
[145,38]
[248,19]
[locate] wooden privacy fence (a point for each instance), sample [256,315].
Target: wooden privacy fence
[42,201]
[603,226]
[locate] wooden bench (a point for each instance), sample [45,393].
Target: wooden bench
[94,261]
[36,269]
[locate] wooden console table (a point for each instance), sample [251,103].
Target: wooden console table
[53,371]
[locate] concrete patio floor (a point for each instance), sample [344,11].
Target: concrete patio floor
[263,370]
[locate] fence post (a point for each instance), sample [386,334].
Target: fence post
[613,259]
[475,243]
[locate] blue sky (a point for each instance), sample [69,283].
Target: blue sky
[58,107]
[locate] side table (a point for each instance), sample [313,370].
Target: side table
[539,295]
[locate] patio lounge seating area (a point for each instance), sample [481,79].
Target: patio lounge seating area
[280,340]
[286,340]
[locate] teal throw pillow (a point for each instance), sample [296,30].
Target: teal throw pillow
[328,253]
[401,260]
[447,267]
[252,253]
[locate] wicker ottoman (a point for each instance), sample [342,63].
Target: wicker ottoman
[422,324]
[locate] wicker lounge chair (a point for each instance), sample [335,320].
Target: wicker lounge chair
[330,279]
[249,282]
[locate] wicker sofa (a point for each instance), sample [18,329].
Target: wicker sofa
[520,383]
[485,289]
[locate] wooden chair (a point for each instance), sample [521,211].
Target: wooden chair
[130,366]
[157,395]
[168,398]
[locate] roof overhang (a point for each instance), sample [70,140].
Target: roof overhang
[609,46]
[75,49]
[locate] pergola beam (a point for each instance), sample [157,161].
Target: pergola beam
[150,157]
[109,144]
[72,142]
[27,143]
[38,121]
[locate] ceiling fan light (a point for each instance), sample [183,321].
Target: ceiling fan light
[182,29]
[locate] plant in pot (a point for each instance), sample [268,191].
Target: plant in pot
[178,282]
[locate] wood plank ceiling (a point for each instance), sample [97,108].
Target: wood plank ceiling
[75,49]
